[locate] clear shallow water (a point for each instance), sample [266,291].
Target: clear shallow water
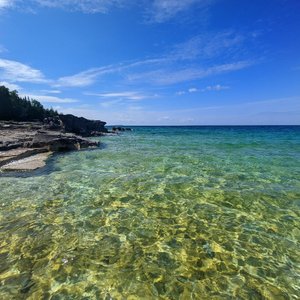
[158,213]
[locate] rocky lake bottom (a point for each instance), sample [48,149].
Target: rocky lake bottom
[158,213]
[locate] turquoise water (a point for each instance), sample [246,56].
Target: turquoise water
[158,213]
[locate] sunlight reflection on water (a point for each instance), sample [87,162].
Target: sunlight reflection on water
[159,213]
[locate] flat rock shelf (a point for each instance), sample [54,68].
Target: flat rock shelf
[25,146]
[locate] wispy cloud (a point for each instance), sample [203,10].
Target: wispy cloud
[180,93]
[122,95]
[195,53]
[161,72]
[167,69]
[183,62]
[11,86]
[273,111]
[85,78]
[208,45]
[164,10]
[51,91]
[157,11]
[14,71]
[86,6]
[169,76]
[192,90]
[107,104]
[51,99]
[217,87]
[187,61]
[6,3]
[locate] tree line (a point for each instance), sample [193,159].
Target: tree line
[15,108]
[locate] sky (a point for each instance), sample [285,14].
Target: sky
[156,62]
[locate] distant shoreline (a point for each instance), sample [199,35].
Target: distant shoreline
[109,126]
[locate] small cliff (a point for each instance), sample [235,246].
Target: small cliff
[82,126]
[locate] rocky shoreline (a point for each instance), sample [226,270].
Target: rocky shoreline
[25,146]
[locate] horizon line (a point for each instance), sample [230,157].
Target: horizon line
[215,125]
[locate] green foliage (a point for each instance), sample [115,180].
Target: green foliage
[13,107]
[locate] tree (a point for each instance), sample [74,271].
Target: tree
[5,104]
[13,107]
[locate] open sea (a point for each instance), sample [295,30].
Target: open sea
[158,213]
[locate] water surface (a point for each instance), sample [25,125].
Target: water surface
[158,213]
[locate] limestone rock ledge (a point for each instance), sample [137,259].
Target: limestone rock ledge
[27,164]
[26,146]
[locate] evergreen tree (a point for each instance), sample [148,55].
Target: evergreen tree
[5,104]
[13,107]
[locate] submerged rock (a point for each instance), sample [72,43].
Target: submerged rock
[209,252]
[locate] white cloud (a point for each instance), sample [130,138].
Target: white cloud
[157,11]
[134,108]
[90,76]
[207,45]
[85,78]
[10,86]
[80,80]
[276,111]
[122,95]
[169,76]
[6,3]
[165,69]
[86,6]
[51,91]
[51,99]
[164,10]
[111,103]
[120,98]
[217,87]
[14,71]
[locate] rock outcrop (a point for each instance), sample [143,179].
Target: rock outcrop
[119,128]
[56,141]
[23,159]
[9,156]
[82,126]
[26,145]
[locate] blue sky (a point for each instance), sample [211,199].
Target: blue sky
[156,62]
